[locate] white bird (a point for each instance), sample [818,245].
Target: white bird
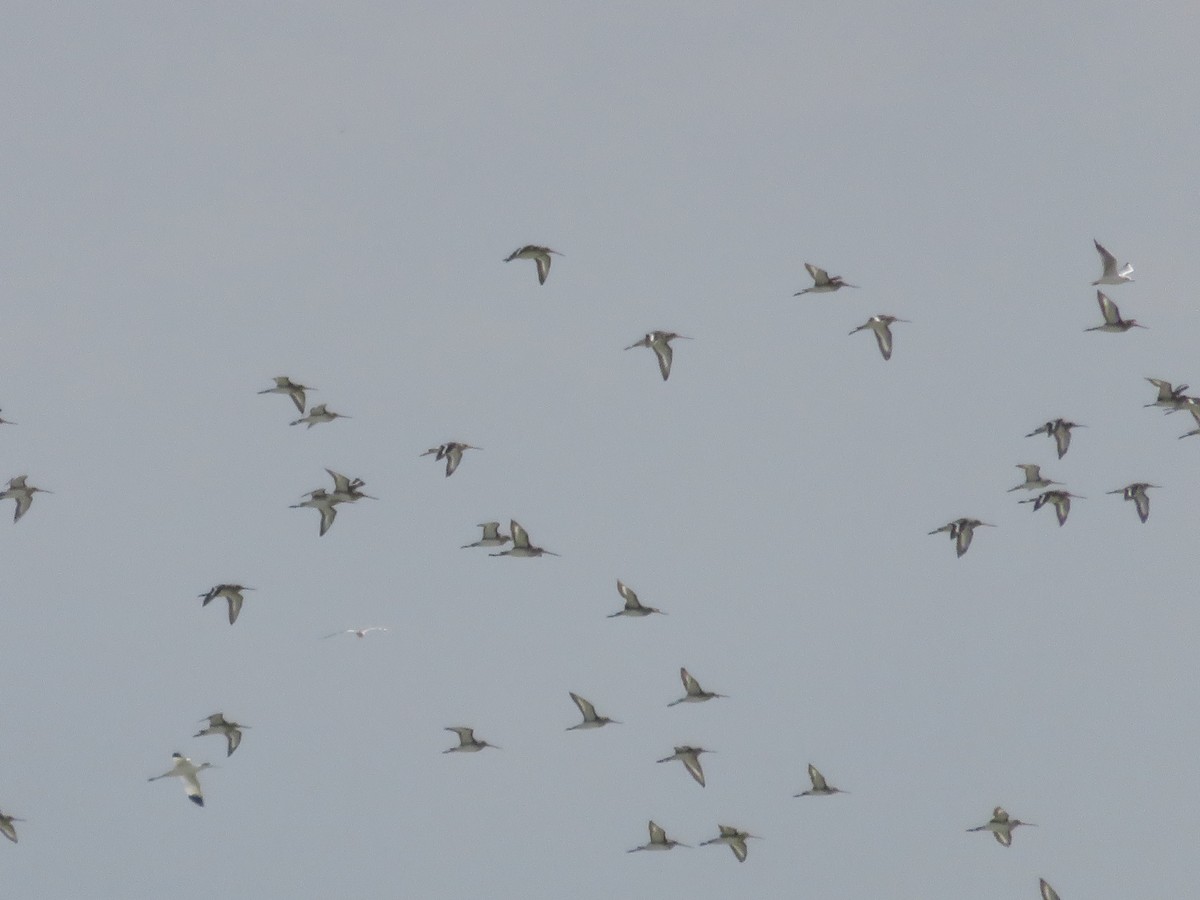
[357,632]
[452,452]
[1033,478]
[540,255]
[693,692]
[1048,893]
[491,536]
[590,719]
[217,724]
[823,282]
[660,343]
[1060,430]
[1112,316]
[690,757]
[961,532]
[633,606]
[285,385]
[1001,826]
[881,325]
[7,829]
[734,838]
[466,741]
[319,414]
[1137,493]
[184,768]
[820,788]
[521,545]
[658,840]
[232,593]
[22,493]
[1060,500]
[1111,274]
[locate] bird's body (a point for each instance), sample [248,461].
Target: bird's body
[357,632]
[23,493]
[823,282]
[521,545]
[1033,478]
[1001,826]
[633,607]
[658,840]
[217,724]
[1112,316]
[1112,273]
[467,742]
[660,343]
[693,693]
[734,838]
[540,255]
[882,326]
[690,757]
[318,414]
[820,787]
[184,768]
[1060,500]
[590,718]
[324,503]
[1060,430]
[232,593]
[7,828]
[961,531]
[1137,493]
[285,385]
[452,452]
[491,536]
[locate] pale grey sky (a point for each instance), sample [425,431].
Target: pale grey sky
[200,198]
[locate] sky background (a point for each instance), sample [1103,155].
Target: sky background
[198,199]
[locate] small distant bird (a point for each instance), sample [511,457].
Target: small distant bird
[693,693]
[357,632]
[961,532]
[217,724]
[1168,396]
[521,545]
[658,840]
[319,414]
[633,606]
[452,452]
[1033,478]
[491,536]
[660,343]
[823,282]
[1111,274]
[7,829]
[590,719]
[466,741]
[881,325]
[1060,500]
[690,757]
[1060,430]
[1001,826]
[232,593]
[820,788]
[1112,316]
[324,503]
[285,385]
[540,255]
[185,769]
[8,422]
[23,494]
[1048,893]
[735,838]
[1137,493]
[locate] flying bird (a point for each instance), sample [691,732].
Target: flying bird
[1170,397]
[881,325]
[21,492]
[1112,316]
[633,606]
[823,282]
[7,829]
[357,632]
[232,593]
[452,452]
[491,536]
[1048,893]
[521,545]
[658,840]
[1137,493]
[690,757]
[734,838]
[185,769]
[961,531]
[820,788]
[217,724]
[466,741]
[1060,500]
[540,255]
[9,422]
[1111,274]
[590,719]
[1033,478]
[693,693]
[1060,430]
[285,385]
[660,343]
[1001,826]
[319,414]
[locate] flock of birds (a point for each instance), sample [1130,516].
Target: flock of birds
[346,490]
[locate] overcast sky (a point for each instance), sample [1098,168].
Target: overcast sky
[199,198]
